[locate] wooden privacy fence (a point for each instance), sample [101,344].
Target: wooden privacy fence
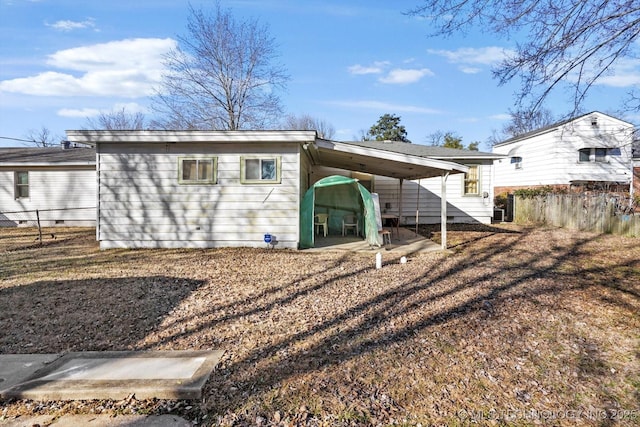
[600,213]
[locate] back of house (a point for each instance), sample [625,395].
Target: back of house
[592,151]
[55,185]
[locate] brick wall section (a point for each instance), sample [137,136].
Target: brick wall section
[636,180]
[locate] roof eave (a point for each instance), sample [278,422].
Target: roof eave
[93,137]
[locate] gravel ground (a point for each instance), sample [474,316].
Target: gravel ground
[514,325]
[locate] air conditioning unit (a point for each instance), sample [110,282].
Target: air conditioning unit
[498,215]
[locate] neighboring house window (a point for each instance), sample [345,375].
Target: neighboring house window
[584,154]
[21,180]
[517,162]
[259,170]
[197,170]
[596,154]
[472,181]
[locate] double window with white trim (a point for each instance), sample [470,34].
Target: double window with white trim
[260,170]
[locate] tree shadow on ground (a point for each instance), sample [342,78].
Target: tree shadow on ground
[128,308]
[473,288]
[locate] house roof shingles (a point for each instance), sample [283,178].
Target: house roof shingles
[430,151]
[47,156]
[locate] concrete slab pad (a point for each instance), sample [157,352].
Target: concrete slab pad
[15,368]
[98,421]
[117,374]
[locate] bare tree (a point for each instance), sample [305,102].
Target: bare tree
[306,122]
[450,139]
[526,121]
[117,120]
[222,76]
[522,122]
[576,42]
[42,137]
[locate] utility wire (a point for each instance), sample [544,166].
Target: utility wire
[18,139]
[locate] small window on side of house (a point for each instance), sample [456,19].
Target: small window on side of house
[260,170]
[472,181]
[584,154]
[197,170]
[21,187]
[517,162]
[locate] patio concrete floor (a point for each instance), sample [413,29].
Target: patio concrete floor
[404,242]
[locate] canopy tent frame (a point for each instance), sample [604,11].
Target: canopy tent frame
[353,189]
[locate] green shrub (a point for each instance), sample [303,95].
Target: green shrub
[530,193]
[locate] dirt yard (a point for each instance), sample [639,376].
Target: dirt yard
[517,326]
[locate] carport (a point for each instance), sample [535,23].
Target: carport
[375,161]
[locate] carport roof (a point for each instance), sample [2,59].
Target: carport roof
[380,158]
[430,151]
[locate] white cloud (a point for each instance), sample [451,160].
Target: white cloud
[625,73]
[470,70]
[126,68]
[67,25]
[470,58]
[500,117]
[375,68]
[379,105]
[405,76]
[75,113]
[129,107]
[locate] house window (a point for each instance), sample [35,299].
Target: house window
[192,170]
[259,170]
[21,180]
[584,154]
[472,181]
[517,162]
[601,155]
[595,154]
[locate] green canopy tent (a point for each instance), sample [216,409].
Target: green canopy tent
[338,195]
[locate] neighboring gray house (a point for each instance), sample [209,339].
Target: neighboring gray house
[230,188]
[592,151]
[469,196]
[59,183]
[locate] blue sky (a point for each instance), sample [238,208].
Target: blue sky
[350,62]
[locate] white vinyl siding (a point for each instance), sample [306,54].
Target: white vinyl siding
[62,195]
[577,149]
[142,204]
